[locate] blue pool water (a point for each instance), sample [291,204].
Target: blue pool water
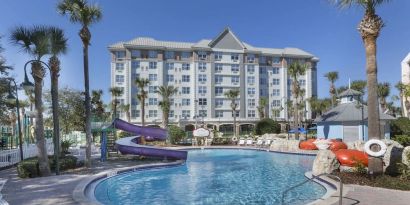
[216,176]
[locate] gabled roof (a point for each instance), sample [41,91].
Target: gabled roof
[227,38]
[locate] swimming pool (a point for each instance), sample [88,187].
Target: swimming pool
[216,176]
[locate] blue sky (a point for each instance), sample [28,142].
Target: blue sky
[316,26]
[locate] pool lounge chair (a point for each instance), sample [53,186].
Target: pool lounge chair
[249,142]
[241,142]
[259,143]
[267,143]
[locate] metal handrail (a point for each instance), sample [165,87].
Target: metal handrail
[313,178]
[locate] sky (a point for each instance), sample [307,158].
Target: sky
[316,26]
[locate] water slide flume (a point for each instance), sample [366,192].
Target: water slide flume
[130,145]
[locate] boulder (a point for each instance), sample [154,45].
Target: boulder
[285,145]
[392,156]
[357,145]
[406,156]
[325,162]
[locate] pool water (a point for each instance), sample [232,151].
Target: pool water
[216,176]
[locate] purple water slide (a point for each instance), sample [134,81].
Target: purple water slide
[130,145]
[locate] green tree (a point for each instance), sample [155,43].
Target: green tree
[97,104]
[175,134]
[35,42]
[383,91]
[4,73]
[115,93]
[369,28]
[233,95]
[332,77]
[400,87]
[267,126]
[141,96]
[295,70]
[359,85]
[166,92]
[80,12]
[126,109]
[263,102]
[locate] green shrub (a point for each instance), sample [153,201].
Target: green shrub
[65,145]
[267,126]
[359,167]
[400,126]
[66,162]
[28,168]
[175,134]
[402,139]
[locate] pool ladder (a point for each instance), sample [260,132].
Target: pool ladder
[313,178]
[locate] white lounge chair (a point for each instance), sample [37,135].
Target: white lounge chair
[259,143]
[249,142]
[241,142]
[267,143]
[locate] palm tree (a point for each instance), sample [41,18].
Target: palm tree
[126,109]
[233,95]
[115,93]
[166,92]
[80,12]
[400,86]
[332,77]
[263,102]
[35,42]
[359,85]
[383,91]
[406,95]
[141,96]
[295,70]
[369,28]
[97,104]
[58,46]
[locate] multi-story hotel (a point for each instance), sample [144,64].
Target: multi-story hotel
[203,72]
[405,79]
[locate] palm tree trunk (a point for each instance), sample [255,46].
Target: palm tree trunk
[128,116]
[87,108]
[55,67]
[38,75]
[234,122]
[402,104]
[375,164]
[142,118]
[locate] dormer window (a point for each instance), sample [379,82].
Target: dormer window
[202,55]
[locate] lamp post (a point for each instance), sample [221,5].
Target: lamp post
[27,85]
[11,98]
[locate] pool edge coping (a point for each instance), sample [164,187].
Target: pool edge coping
[332,187]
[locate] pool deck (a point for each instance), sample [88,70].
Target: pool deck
[59,189]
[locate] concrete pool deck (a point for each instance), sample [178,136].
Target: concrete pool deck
[59,189]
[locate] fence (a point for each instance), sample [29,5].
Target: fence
[12,156]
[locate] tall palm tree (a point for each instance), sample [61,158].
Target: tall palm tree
[58,46]
[369,28]
[233,95]
[97,104]
[166,92]
[295,70]
[263,102]
[80,12]
[35,42]
[126,109]
[115,93]
[332,77]
[383,91]
[141,96]
[359,85]
[400,86]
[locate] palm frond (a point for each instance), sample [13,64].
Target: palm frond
[58,41]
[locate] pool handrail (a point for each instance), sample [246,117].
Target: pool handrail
[313,178]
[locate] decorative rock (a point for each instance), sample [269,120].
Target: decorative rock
[325,162]
[406,156]
[285,145]
[357,145]
[392,156]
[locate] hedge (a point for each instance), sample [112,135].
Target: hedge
[29,168]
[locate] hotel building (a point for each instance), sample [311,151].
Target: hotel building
[203,72]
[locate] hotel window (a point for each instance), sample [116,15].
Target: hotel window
[134,101]
[186,102]
[235,68]
[251,91]
[218,67]
[202,66]
[202,55]
[135,113]
[136,54]
[186,66]
[135,64]
[302,82]
[202,101]
[275,70]
[276,60]
[275,81]
[234,56]
[262,70]
[186,55]
[171,101]
[119,78]
[218,79]
[186,90]
[135,76]
[218,56]
[152,113]
[119,66]
[276,103]
[185,78]
[152,65]
[251,68]
[203,113]
[219,102]
[289,82]
[219,113]
[251,102]
[170,78]
[235,79]
[171,114]
[251,113]
[202,89]
[263,81]
[153,54]
[237,113]
[202,78]
[251,80]
[120,54]
[152,89]
[262,59]
[152,77]
[186,113]
[169,66]
[250,58]
[152,101]
[275,92]
[219,91]
[169,54]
